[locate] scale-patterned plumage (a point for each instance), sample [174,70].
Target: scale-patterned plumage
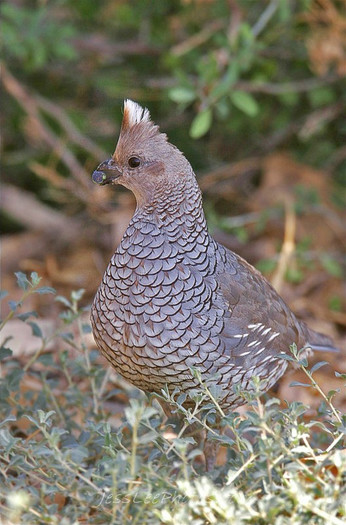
[172,298]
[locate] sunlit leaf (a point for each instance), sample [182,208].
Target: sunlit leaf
[245,103]
[182,95]
[201,124]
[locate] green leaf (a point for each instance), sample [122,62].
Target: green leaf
[26,315]
[335,303]
[245,103]
[67,336]
[294,275]
[222,108]
[181,398]
[22,280]
[77,454]
[11,417]
[266,265]
[68,316]
[7,441]
[5,352]
[303,362]
[332,393]
[86,328]
[182,95]
[36,330]
[76,295]
[298,383]
[320,97]
[44,416]
[13,379]
[223,87]
[148,437]
[3,293]
[63,300]
[201,124]
[35,279]
[286,357]
[331,266]
[13,305]
[318,365]
[45,289]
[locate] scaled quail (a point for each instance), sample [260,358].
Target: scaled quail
[172,298]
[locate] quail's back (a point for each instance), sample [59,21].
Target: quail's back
[172,299]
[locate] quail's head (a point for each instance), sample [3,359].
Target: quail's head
[143,160]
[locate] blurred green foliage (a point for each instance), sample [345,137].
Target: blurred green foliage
[241,77]
[32,38]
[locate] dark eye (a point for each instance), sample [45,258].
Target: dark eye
[134,162]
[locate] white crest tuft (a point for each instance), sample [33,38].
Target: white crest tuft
[134,113]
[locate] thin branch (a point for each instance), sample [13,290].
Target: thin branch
[268,88]
[288,245]
[49,174]
[31,213]
[265,17]
[319,118]
[299,86]
[227,171]
[234,21]
[197,39]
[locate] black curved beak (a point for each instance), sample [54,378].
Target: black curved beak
[106,172]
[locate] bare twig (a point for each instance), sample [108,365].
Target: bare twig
[319,118]
[268,88]
[299,86]
[288,245]
[97,44]
[227,171]
[49,174]
[265,17]
[198,39]
[31,213]
[235,20]
[336,158]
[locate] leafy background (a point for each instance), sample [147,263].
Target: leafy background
[252,92]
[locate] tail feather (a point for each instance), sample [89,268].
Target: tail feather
[319,342]
[324,348]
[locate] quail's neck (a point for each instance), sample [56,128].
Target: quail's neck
[177,211]
[176,201]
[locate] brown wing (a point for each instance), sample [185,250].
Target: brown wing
[260,325]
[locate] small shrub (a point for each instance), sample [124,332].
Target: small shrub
[63,462]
